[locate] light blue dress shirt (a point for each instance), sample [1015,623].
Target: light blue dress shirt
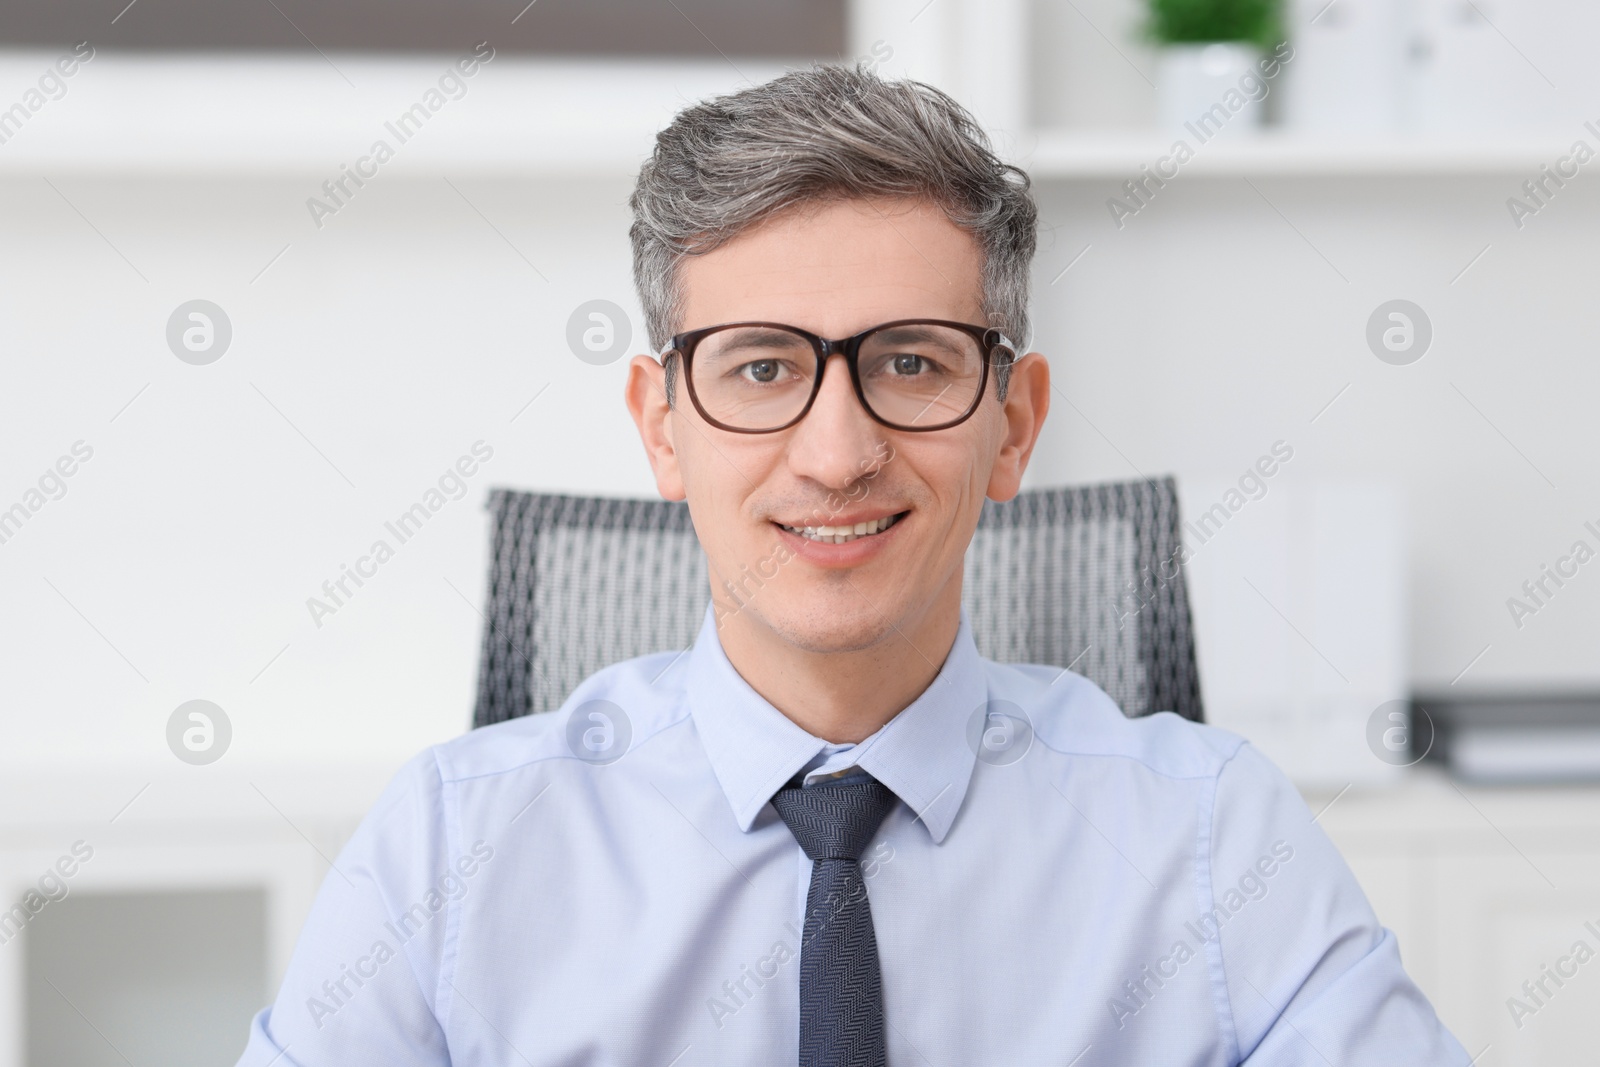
[1094,890]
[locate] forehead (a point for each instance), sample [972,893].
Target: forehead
[837,267]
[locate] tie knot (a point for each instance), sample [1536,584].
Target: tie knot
[834,820]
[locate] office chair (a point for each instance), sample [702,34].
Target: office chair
[1087,578]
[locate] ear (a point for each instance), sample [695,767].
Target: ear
[1027,404]
[646,394]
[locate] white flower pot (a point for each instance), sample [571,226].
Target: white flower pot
[1210,90]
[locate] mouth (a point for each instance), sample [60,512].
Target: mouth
[839,535]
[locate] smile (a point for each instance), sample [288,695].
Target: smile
[838,535]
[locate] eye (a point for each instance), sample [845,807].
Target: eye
[763,371]
[908,364]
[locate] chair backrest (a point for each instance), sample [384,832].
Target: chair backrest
[1089,578]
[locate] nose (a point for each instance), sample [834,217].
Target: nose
[837,442]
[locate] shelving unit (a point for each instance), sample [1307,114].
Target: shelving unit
[558,118]
[1441,865]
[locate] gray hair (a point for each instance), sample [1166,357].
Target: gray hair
[828,133]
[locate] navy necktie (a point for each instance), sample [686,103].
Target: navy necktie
[841,984]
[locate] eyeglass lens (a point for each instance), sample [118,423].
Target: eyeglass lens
[913,375]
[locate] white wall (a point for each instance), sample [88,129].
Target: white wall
[395,337]
[1211,326]
[407,328]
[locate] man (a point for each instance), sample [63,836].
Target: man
[798,855]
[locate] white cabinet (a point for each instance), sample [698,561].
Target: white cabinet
[140,897]
[1486,888]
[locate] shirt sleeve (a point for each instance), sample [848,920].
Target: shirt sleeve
[1308,975]
[363,983]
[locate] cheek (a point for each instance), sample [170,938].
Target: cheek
[952,481]
[720,477]
[960,464]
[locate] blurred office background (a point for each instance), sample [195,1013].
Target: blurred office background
[1380,276]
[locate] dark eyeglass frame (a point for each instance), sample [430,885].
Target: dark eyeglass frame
[684,344]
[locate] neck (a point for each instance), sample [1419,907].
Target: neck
[845,697]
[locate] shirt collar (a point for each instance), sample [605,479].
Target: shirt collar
[922,754]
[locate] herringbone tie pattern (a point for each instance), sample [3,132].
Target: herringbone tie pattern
[841,984]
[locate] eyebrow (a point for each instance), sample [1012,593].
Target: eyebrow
[908,333]
[766,337]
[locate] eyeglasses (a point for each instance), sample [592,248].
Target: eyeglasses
[910,374]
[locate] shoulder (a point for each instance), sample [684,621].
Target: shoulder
[642,696]
[1073,716]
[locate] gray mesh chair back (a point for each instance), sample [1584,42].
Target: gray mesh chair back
[1087,578]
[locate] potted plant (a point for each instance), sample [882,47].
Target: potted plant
[1212,57]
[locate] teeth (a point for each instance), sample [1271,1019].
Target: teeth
[838,535]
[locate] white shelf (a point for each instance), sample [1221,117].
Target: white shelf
[243,116]
[209,114]
[1070,155]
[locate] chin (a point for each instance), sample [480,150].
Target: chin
[834,622]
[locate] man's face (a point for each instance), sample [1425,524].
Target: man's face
[836,269]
